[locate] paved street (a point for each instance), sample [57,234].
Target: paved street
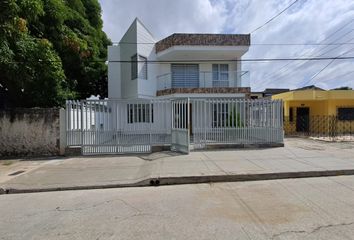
[298,155]
[309,208]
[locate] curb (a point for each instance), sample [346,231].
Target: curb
[191,180]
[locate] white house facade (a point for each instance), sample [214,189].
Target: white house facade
[186,91]
[181,65]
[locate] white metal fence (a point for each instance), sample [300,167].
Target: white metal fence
[125,126]
[236,121]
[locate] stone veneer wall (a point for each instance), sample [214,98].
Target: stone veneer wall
[180,39]
[29,132]
[245,90]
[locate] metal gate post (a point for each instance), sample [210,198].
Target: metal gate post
[62,131]
[150,120]
[82,126]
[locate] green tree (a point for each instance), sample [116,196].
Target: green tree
[51,50]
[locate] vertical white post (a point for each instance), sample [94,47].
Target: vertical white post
[81,126]
[62,131]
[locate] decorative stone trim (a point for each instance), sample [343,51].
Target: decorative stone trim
[182,39]
[245,90]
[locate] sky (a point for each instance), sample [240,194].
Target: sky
[306,22]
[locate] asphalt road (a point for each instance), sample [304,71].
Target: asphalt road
[313,208]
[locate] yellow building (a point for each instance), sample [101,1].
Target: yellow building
[318,110]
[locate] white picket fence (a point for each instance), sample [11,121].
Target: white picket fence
[129,126]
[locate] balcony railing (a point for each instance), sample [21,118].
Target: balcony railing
[229,79]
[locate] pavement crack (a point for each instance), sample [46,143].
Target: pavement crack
[99,204]
[319,228]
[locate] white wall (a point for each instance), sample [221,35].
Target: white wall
[146,87]
[114,72]
[120,84]
[129,87]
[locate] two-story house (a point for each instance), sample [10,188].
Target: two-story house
[186,90]
[181,65]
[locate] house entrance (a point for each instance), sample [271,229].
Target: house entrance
[302,119]
[180,132]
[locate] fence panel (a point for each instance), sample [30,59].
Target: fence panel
[131,126]
[236,121]
[326,127]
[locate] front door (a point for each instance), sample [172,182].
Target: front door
[180,125]
[302,119]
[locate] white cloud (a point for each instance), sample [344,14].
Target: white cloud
[163,17]
[308,21]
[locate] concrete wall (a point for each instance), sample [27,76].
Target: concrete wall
[129,86]
[29,132]
[146,87]
[114,73]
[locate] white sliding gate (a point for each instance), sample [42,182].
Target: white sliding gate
[124,126]
[134,126]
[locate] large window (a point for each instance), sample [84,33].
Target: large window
[185,75]
[134,67]
[220,114]
[139,62]
[144,68]
[346,113]
[140,113]
[220,75]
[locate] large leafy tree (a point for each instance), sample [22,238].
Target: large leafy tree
[51,50]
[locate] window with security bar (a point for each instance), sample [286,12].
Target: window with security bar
[140,113]
[346,113]
[220,75]
[220,114]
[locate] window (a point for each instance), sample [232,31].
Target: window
[134,67]
[220,75]
[291,114]
[185,75]
[139,62]
[220,114]
[346,113]
[139,113]
[144,69]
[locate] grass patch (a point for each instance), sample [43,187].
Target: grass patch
[7,162]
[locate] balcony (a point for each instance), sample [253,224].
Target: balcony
[203,82]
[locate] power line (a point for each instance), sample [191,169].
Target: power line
[204,60]
[332,34]
[263,44]
[277,15]
[298,66]
[332,42]
[327,65]
[339,76]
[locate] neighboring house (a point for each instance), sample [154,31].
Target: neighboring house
[315,109]
[183,65]
[268,93]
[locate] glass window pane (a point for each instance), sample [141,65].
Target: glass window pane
[215,68]
[143,61]
[134,67]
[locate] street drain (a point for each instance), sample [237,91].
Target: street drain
[16,173]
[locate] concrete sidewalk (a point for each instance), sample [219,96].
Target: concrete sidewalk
[299,158]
